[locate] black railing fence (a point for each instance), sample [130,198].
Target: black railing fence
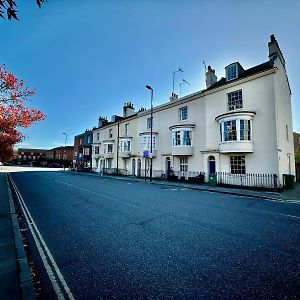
[267,181]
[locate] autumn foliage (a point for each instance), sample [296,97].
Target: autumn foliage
[14,113]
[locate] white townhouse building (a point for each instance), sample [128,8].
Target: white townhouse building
[239,125]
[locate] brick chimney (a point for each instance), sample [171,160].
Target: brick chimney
[128,109]
[274,50]
[210,77]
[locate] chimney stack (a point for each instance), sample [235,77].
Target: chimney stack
[210,77]
[274,50]
[128,109]
[173,97]
[102,121]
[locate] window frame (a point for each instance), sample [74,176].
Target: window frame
[183,164]
[235,100]
[110,133]
[229,71]
[149,121]
[183,113]
[237,164]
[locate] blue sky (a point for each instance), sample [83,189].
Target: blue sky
[86,58]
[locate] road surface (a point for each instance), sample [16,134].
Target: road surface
[122,239]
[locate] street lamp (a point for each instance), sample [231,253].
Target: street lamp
[151,129]
[66,136]
[179,70]
[183,82]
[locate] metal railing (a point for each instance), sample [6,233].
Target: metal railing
[267,181]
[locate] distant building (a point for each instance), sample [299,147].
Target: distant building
[296,137]
[44,157]
[28,156]
[238,126]
[82,159]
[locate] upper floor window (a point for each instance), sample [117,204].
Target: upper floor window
[235,130]
[146,143]
[237,164]
[98,136]
[182,138]
[287,132]
[110,133]
[245,130]
[96,149]
[230,130]
[231,72]
[235,100]
[89,139]
[149,123]
[127,128]
[108,148]
[80,141]
[176,138]
[124,145]
[187,138]
[183,113]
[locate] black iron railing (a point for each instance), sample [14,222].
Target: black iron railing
[267,181]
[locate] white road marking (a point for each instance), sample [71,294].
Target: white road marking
[44,253]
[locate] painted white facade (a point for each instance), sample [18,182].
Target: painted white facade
[188,145]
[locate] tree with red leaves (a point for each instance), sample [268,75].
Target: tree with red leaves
[10,7]
[14,114]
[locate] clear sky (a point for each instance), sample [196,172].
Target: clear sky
[86,58]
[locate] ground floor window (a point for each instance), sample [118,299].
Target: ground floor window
[109,163]
[183,164]
[237,164]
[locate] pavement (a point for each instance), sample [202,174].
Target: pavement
[15,279]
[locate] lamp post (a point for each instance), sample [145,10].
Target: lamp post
[151,129]
[66,136]
[183,82]
[179,70]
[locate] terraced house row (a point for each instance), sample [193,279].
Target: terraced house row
[238,126]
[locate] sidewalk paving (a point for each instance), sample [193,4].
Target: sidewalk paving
[15,278]
[286,195]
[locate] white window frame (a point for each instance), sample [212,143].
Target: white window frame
[229,70]
[146,142]
[108,148]
[247,131]
[237,164]
[183,164]
[124,145]
[182,138]
[183,113]
[127,128]
[149,121]
[235,100]
[110,133]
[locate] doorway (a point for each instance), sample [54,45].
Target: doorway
[211,164]
[139,167]
[168,167]
[133,168]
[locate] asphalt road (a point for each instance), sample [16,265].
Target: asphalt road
[122,239]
